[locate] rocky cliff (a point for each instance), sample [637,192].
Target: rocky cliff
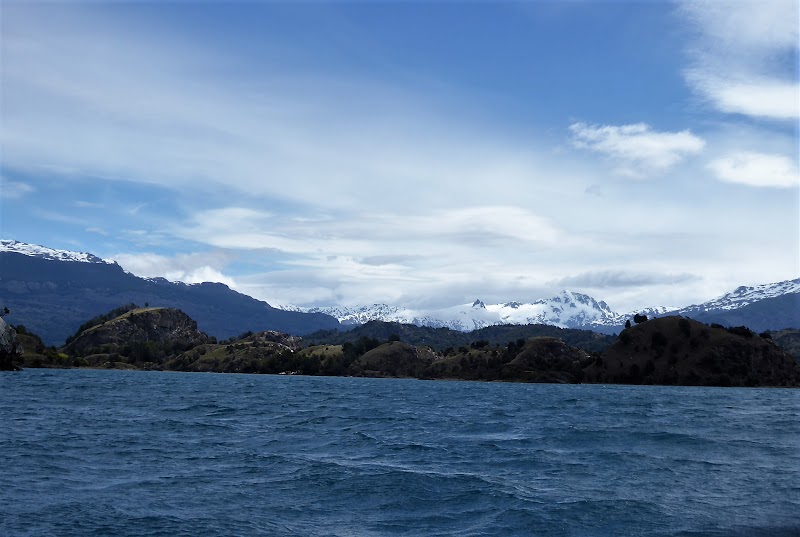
[10,349]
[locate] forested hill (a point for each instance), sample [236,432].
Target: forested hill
[444,338]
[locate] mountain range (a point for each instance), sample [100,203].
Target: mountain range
[763,307]
[52,292]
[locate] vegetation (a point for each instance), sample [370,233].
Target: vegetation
[440,339]
[675,350]
[100,319]
[671,350]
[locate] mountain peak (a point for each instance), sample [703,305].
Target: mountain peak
[478,304]
[43,252]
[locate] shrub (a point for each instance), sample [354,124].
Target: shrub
[742,331]
[685,327]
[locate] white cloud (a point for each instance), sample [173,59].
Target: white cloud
[766,98]
[187,268]
[757,169]
[637,149]
[744,56]
[13,190]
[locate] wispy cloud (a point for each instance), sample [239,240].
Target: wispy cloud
[88,205]
[361,234]
[620,278]
[757,169]
[12,190]
[86,100]
[744,56]
[637,149]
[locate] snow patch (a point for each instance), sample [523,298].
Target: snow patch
[43,252]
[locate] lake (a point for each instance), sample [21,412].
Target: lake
[130,453]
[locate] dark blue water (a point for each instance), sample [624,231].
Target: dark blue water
[144,453]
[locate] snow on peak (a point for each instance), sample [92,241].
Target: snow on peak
[360,314]
[745,295]
[568,309]
[43,252]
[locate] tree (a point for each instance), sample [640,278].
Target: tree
[4,311]
[638,319]
[628,323]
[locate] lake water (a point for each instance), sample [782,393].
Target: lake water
[129,453]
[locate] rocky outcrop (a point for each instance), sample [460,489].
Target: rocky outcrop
[149,332]
[10,349]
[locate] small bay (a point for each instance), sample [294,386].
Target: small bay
[130,453]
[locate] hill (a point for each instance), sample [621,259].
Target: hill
[676,350]
[139,336]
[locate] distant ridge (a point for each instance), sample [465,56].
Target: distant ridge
[52,292]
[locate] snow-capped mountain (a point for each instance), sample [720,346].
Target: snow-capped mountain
[464,317]
[744,296]
[568,309]
[43,252]
[362,314]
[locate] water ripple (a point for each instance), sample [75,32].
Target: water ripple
[151,454]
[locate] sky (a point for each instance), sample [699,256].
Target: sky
[421,153]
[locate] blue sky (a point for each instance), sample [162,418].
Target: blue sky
[421,154]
